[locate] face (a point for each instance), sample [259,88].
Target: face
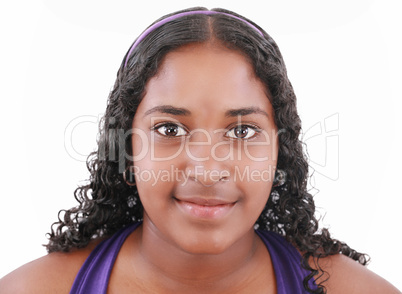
[204,148]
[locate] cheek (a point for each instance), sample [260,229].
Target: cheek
[156,172]
[254,175]
[150,145]
[257,164]
[154,179]
[255,180]
[264,149]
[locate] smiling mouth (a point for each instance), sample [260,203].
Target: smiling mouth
[205,208]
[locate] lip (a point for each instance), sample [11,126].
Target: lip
[205,208]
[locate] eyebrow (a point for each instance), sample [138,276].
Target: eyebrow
[245,111]
[169,109]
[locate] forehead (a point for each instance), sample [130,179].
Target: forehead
[201,75]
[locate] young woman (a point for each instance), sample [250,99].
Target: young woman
[199,181]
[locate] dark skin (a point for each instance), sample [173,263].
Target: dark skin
[180,247]
[209,276]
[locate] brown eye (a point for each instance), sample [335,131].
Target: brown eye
[241,132]
[170,130]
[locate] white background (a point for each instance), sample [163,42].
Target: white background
[58,64]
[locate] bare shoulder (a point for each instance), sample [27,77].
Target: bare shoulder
[348,276]
[52,273]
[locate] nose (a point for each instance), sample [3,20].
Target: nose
[207,177]
[204,163]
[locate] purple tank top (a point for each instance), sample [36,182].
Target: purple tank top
[93,277]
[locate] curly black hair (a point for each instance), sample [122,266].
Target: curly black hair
[107,203]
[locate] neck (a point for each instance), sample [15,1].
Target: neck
[179,269]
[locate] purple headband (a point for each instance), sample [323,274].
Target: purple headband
[170,18]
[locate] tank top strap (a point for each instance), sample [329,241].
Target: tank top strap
[94,275]
[286,262]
